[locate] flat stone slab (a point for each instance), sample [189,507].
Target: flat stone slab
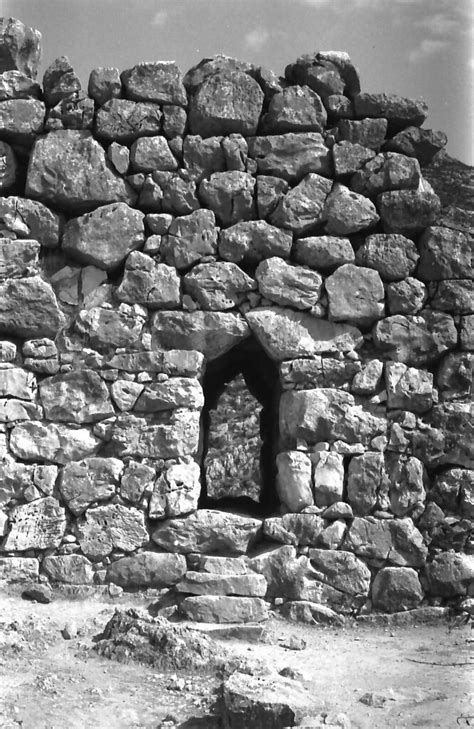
[224,609]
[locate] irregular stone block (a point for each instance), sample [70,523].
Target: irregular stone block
[38,525]
[269,192]
[92,479]
[396,589]
[295,109]
[393,256]
[174,121]
[15,478]
[229,195]
[160,81]
[356,295]
[450,574]
[73,112]
[366,132]
[29,308]
[254,241]
[456,424]
[347,212]
[294,480]
[304,374]
[455,375]
[446,487]
[138,437]
[79,396]
[147,570]
[397,541]
[110,527]
[456,296]
[342,570]
[408,388]
[152,153]
[8,167]
[174,393]
[415,142]
[174,362]
[13,410]
[406,297]
[18,258]
[137,479]
[286,334]
[37,441]
[301,209]
[207,531]
[204,583]
[176,491]
[367,380]
[226,103]
[190,238]
[111,328]
[202,157]
[349,157]
[291,156]
[104,84]
[30,219]
[328,478]
[218,286]
[367,483]
[19,569]
[17,382]
[295,529]
[387,171]
[288,285]
[444,253]
[212,333]
[415,340]
[72,569]
[147,282]
[59,81]
[93,183]
[406,477]
[21,47]
[408,211]
[224,609]
[16,85]
[121,120]
[400,112]
[323,252]
[21,120]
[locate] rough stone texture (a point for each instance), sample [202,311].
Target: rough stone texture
[218,286]
[229,195]
[415,340]
[21,47]
[349,157]
[294,480]
[347,212]
[139,437]
[451,574]
[72,569]
[30,219]
[159,81]
[152,153]
[356,295]
[212,333]
[29,308]
[147,282]
[253,241]
[93,479]
[368,133]
[110,527]
[80,396]
[393,256]
[400,112]
[21,120]
[8,167]
[147,569]
[396,589]
[121,120]
[408,211]
[301,209]
[291,156]
[324,252]
[288,285]
[18,259]
[328,478]
[367,483]
[295,109]
[108,328]
[39,525]
[176,491]
[43,441]
[190,238]
[200,583]
[224,609]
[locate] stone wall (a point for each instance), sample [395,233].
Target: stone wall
[150,227]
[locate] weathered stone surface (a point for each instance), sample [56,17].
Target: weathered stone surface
[159,81]
[76,111]
[455,422]
[8,167]
[295,109]
[59,81]
[304,374]
[224,609]
[444,253]
[147,569]
[15,479]
[393,256]
[212,333]
[207,531]
[254,241]
[92,479]
[13,410]
[415,340]
[147,282]
[269,192]
[202,157]
[175,392]
[138,437]
[295,529]
[19,569]
[291,156]
[367,380]
[400,112]
[328,478]
[21,47]
[226,103]
[29,308]
[406,297]
[137,480]
[407,478]
[69,170]
[302,208]
[152,153]
[18,259]
[326,415]
[104,237]
[286,334]
[342,570]
[30,219]
[415,142]
[367,483]
[218,286]
[349,157]
[18,383]
[73,569]
[121,120]
[327,72]
[451,574]
[397,541]
[287,284]
[104,84]
[323,252]
[202,583]
[467,332]
[456,296]
[356,295]
[21,120]
[190,238]
[110,527]
[43,441]
[305,611]
[79,396]
[387,171]
[294,480]
[347,212]
[366,132]
[446,487]
[408,388]
[396,589]
[176,491]
[173,362]
[455,375]
[229,195]
[282,569]
[38,525]
[108,328]
[408,211]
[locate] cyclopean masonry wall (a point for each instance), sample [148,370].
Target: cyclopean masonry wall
[159,223]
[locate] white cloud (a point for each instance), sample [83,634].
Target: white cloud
[428,47]
[256,39]
[160,18]
[439,23]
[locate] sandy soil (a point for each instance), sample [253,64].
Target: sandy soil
[414,677]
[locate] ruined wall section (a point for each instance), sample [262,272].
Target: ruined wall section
[157,221]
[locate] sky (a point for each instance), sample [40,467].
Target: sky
[414,48]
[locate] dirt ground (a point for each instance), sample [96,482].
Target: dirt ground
[408,677]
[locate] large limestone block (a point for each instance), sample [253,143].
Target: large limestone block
[415,142]
[282,569]
[455,376]
[218,286]
[356,295]
[294,480]
[104,237]
[387,171]
[406,296]
[29,308]
[342,570]
[38,525]
[147,282]
[205,583]
[451,574]
[229,195]
[110,527]
[43,441]
[190,238]
[175,392]
[287,284]
[79,396]
[408,211]
[226,103]
[323,252]
[152,153]
[295,529]
[456,424]
[147,569]
[211,333]
[224,609]
[444,253]
[254,241]
[18,258]
[408,388]
[367,483]
[108,328]
[122,120]
[291,156]
[396,540]
[407,478]
[12,410]
[174,362]
[104,84]
[158,81]
[349,158]
[15,478]
[455,296]
[138,437]
[399,111]
[16,85]
[73,569]
[347,212]
[177,490]
[59,81]
[304,374]
[286,334]
[20,47]
[326,415]
[92,479]
[208,531]
[295,109]
[69,170]
[30,219]
[216,64]
[396,589]
[327,72]
[202,157]
[19,569]
[21,120]
[8,167]
[393,256]
[328,478]
[415,340]
[366,132]
[18,383]
[301,209]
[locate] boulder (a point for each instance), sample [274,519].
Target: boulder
[415,340]
[147,570]
[341,570]
[295,109]
[78,396]
[386,171]
[349,157]
[408,388]
[301,209]
[104,84]
[140,437]
[287,284]
[406,476]
[323,252]
[455,296]
[108,328]
[20,47]
[92,479]
[69,170]
[18,383]
[137,480]
[59,81]
[450,574]
[347,212]
[38,525]
[305,374]
[160,81]
[147,282]
[207,531]
[176,491]
[173,362]
[226,103]
[328,478]
[122,120]
[254,241]
[202,157]
[270,190]
[29,308]
[15,84]
[327,72]
[396,589]
[229,195]
[406,297]
[454,420]
[294,480]
[291,156]
[224,609]
[408,211]
[72,569]
[19,569]
[356,295]
[367,483]
[368,379]
[393,256]
[445,490]
[397,541]
[43,441]
[152,153]
[295,529]
[21,120]
[368,133]
[422,144]
[400,112]
[190,238]
[105,528]
[455,375]
[218,286]
[444,253]
[175,392]
[30,219]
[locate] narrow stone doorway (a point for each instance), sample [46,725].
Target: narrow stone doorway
[240,432]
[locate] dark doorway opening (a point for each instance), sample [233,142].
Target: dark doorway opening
[222,382]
